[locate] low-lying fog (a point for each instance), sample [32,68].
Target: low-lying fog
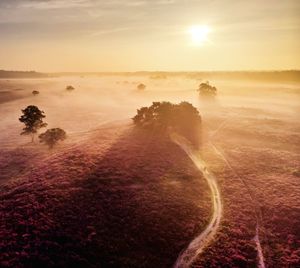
[100,100]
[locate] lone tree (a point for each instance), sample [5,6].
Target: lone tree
[70,88]
[205,89]
[141,87]
[33,119]
[162,116]
[52,136]
[35,92]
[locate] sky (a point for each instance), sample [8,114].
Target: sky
[149,35]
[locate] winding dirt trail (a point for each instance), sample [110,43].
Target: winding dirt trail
[197,245]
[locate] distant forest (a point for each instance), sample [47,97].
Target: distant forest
[290,75]
[22,74]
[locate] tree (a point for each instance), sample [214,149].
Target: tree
[205,89]
[162,116]
[141,87]
[70,88]
[35,92]
[52,136]
[33,119]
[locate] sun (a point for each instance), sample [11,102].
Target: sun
[199,34]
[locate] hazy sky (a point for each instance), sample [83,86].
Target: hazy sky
[130,35]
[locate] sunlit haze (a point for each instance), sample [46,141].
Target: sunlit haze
[149,133]
[199,34]
[164,35]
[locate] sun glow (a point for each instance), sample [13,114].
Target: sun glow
[199,34]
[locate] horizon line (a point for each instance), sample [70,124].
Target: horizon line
[158,71]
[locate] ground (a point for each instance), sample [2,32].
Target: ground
[110,205]
[112,195]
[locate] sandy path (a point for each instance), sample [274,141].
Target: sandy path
[260,255]
[188,256]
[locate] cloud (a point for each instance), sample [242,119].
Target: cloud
[55,4]
[109,31]
[63,4]
[123,18]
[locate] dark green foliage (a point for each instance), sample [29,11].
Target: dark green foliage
[206,89]
[33,119]
[161,116]
[141,87]
[52,136]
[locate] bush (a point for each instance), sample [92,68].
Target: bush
[52,136]
[183,118]
[206,89]
[35,92]
[70,88]
[141,87]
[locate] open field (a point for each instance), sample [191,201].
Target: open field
[111,195]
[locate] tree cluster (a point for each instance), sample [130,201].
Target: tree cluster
[206,89]
[183,118]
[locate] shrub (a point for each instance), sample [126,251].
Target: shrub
[70,88]
[141,87]
[52,136]
[35,92]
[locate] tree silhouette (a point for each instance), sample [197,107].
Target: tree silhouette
[35,92]
[33,119]
[52,136]
[141,87]
[205,89]
[70,88]
[162,116]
